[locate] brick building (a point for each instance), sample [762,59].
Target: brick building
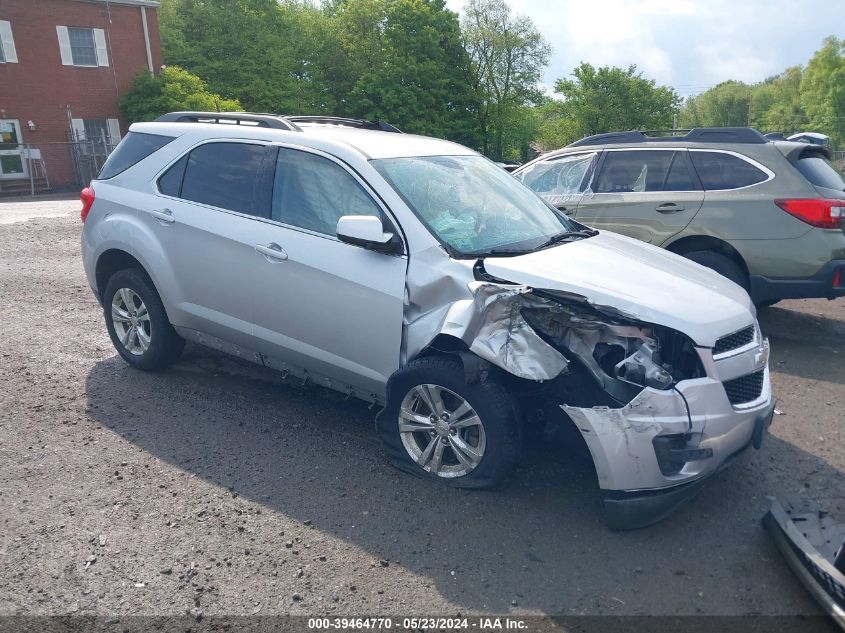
[63,66]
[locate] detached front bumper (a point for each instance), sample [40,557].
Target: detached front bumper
[654,453]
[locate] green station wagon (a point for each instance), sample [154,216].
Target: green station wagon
[768,215]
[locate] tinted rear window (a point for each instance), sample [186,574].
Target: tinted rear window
[820,171]
[223,175]
[725,171]
[134,148]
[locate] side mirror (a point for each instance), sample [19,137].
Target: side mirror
[366,231]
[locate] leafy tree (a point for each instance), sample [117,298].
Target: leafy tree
[172,90]
[263,52]
[823,91]
[776,103]
[725,105]
[507,55]
[605,99]
[402,62]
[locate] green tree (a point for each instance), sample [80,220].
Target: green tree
[606,99]
[507,55]
[725,105]
[265,53]
[823,91]
[776,103]
[402,62]
[173,90]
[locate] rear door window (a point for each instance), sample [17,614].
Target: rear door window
[223,175]
[134,148]
[820,171]
[721,171]
[645,171]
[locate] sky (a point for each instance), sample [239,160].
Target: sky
[690,45]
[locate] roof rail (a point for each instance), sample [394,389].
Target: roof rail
[742,135]
[231,118]
[345,122]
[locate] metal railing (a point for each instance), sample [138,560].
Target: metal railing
[83,158]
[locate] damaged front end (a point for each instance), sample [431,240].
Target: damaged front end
[647,401]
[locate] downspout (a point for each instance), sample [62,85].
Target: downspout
[147,40]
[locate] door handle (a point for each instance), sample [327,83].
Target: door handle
[272,251]
[165,216]
[669,207]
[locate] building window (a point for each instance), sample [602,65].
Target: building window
[100,132]
[84,47]
[8,54]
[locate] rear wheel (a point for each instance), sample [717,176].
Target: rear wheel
[436,425]
[722,264]
[137,323]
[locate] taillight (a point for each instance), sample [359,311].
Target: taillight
[825,214]
[87,197]
[837,279]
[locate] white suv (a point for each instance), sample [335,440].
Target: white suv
[415,274]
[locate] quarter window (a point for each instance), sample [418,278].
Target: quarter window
[224,175]
[313,193]
[645,171]
[558,176]
[134,148]
[720,171]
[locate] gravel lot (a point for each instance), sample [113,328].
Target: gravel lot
[216,486]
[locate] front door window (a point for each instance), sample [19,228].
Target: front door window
[12,164]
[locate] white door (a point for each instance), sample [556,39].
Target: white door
[12,164]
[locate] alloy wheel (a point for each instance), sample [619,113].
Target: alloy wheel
[131,321]
[441,431]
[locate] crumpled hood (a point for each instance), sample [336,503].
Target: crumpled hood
[639,280]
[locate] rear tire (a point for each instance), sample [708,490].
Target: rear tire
[722,264]
[475,441]
[137,323]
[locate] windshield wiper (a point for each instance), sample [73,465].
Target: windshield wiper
[566,236]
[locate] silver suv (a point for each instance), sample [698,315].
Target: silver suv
[417,275]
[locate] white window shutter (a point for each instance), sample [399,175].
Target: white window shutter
[102,50]
[78,127]
[114,131]
[64,46]
[8,42]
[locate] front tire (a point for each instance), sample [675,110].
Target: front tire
[137,322]
[437,426]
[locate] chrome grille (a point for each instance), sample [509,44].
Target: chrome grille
[734,341]
[745,388]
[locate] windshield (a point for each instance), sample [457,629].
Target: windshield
[473,206]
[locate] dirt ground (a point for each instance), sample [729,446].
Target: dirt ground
[216,486]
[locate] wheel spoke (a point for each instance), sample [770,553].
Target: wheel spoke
[460,456]
[460,446]
[142,313]
[143,338]
[411,422]
[472,420]
[437,458]
[127,335]
[461,411]
[118,314]
[126,297]
[425,456]
[424,393]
